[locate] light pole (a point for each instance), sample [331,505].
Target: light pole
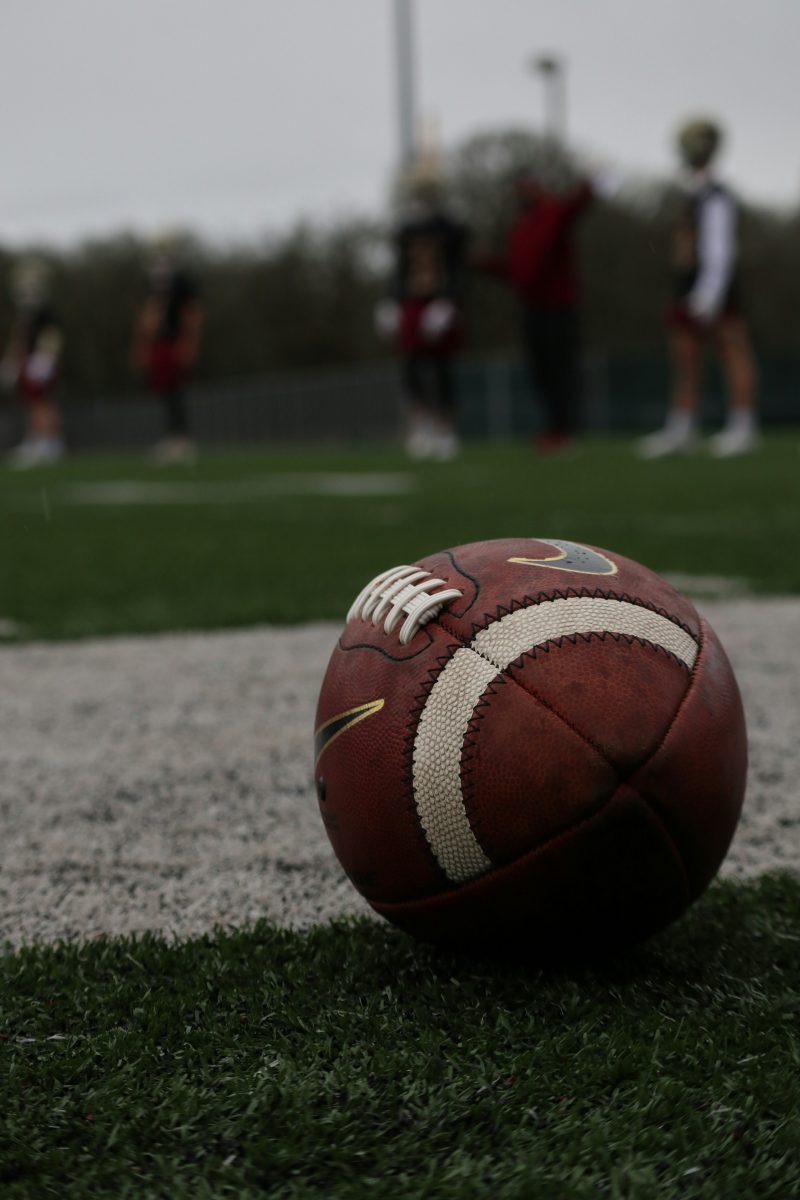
[406,103]
[553,75]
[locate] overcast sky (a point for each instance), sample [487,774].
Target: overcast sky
[236,117]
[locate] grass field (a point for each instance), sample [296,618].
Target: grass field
[100,546]
[348,1062]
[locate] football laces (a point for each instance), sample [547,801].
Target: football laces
[398,591]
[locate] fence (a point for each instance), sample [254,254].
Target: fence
[364,404]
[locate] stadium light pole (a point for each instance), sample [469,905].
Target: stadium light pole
[406,102]
[552,72]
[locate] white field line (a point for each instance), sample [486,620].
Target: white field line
[167,782]
[129,492]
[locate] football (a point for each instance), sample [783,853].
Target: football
[529,744]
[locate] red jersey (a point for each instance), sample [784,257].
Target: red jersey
[540,261]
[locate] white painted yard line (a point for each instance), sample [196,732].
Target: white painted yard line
[130,492]
[166,782]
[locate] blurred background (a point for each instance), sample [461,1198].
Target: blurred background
[268,139]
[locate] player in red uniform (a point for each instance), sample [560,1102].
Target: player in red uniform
[166,343]
[706,308]
[423,316]
[539,264]
[30,365]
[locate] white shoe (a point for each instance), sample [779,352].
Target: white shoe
[445,446]
[175,450]
[51,450]
[35,452]
[666,442]
[22,456]
[731,442]
[421,441]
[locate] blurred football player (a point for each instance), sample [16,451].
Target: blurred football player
[166,343]
[30,364]
[539,264]
[706,309]
[422,317]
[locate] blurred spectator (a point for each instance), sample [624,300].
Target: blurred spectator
[539,264]
[422,316]
[166,343]
[706,307]
[30,364]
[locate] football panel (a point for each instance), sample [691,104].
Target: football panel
[696,779]
[608,882]
[619,694]
[525,775]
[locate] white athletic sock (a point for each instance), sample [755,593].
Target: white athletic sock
[679,423]
[741,420]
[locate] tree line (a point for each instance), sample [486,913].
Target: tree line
[305,298]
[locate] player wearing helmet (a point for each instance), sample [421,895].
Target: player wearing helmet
[705,309]
[422,316]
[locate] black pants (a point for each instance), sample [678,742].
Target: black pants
[175,417]
[428,382]
[551,342]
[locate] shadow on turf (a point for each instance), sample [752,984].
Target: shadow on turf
[736,930]
[732,929]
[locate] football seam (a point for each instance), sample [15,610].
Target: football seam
[669,837]
[533,695]
[692,677]
[466,575]
[656,809]
[398,658]
[570,593]
[469,744]
[568,831]
[602,635]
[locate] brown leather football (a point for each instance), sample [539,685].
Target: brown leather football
[529,743]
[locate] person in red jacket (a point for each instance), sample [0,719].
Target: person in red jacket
[539,264]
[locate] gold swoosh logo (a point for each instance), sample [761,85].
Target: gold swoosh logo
[571,557]
[330,730]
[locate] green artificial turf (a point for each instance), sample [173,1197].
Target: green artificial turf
[218,558]
[350,1062]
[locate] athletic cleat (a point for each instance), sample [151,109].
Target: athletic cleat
[665,443]
[35,452]
[730,443]
[552,442]
[175,450]
[445,446]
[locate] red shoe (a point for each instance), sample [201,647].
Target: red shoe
[551,441]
